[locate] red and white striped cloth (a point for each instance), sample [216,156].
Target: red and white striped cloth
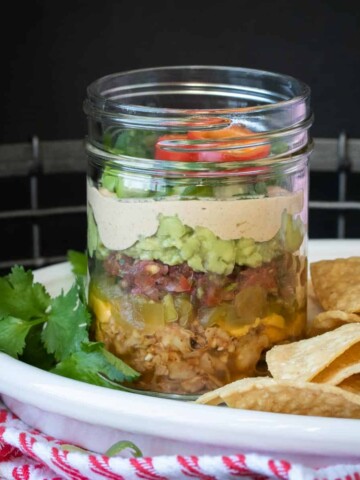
[27,454]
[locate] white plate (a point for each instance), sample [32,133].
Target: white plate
[95,417]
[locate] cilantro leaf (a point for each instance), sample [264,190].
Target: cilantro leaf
[78,262]
[20,297]
[53,333]
[93,364]
[79,265]
[13,334]
[116,370]
[35,352]
[66,326]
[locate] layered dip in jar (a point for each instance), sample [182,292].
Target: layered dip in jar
[197,221]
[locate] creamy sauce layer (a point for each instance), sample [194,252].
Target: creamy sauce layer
[122,222]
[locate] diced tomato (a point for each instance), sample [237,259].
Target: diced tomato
[184,284]
[177,283]
[212,296]
[162,153]
[264,276]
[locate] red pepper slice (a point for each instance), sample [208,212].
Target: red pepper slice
[174,156]
[231,155]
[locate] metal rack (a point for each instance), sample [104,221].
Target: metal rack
[347,161]
[38,158]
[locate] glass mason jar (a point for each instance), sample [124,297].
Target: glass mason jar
[197,221]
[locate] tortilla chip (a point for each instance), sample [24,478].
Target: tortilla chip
[351,384]
[341,368]
[329,354]
[329,320]
[212,397]
[336,283]
[299,398]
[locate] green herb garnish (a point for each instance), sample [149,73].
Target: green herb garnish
[133,143]
[53,333]
[123,445]
[79,265]
[78,262]
[114,450]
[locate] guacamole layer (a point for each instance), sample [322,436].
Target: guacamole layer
[175,243]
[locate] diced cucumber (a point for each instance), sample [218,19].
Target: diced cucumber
[279,147]
[228,191]
[109,182]
[197,191]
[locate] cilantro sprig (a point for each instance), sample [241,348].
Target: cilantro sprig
[53,333]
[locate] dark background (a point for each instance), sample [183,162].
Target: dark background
[51,51]
[54,49]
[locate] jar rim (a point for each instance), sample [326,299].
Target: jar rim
[112,101]
[179,169]
[263,108]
